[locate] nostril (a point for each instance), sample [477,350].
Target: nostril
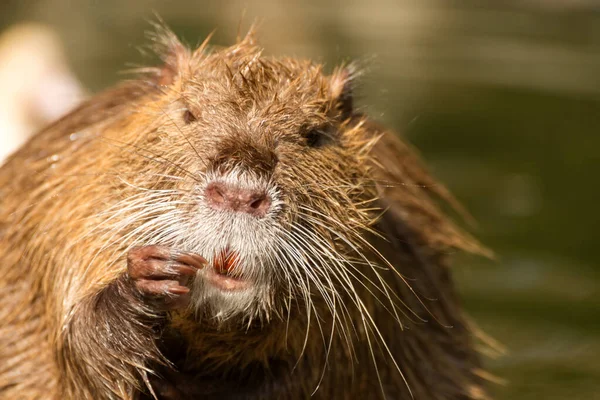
[215,193]
[260,205]
[256,203]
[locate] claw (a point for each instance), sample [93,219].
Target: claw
[161,274]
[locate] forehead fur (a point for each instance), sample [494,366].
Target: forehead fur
[242,77]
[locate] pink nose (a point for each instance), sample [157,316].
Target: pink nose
[221,196]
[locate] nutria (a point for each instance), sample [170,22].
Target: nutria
[228,226]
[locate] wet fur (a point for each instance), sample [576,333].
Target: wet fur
[352,298]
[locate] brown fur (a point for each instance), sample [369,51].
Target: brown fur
[70,327]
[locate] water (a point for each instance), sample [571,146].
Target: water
[523,163]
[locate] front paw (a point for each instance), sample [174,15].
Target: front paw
[162,275]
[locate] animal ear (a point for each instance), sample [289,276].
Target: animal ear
[166,74]
[174,55]
[341,91]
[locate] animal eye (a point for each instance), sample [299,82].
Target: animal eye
[188,117]
[314,137]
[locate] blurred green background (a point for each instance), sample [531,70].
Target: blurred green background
[502,99]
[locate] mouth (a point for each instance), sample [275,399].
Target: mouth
[223,273]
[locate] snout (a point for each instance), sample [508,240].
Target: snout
[235,198]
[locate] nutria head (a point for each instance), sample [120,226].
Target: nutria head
[259,165]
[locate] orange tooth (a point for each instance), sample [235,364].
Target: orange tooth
[225,262]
